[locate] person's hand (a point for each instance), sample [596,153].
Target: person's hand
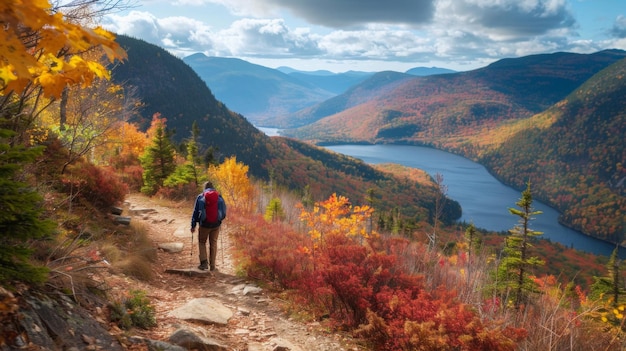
[192,229]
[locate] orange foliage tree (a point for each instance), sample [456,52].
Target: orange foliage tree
[336,216]
[127,144]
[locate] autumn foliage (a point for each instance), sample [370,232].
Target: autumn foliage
[34,43]
[343,271]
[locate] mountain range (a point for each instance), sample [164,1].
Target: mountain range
[171,88]
[432,109]
[263,94]
[489,114]
[555,120]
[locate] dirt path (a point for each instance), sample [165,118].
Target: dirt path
[258,322]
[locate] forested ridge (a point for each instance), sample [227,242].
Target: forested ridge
[450,107]
[574,153]
[167,86]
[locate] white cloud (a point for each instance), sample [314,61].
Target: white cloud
[506,19]
[137,24]
[468,32]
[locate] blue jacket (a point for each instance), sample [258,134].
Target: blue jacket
[197,212]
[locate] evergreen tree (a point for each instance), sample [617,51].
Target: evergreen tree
[473,241]
[609,286]
[274,211]
[20,215]
[440,203]
[513,273]
[189,171]
[371,201]
[157,161]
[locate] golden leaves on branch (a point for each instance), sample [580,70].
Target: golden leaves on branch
[34,44]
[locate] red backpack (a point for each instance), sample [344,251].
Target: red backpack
[210,199]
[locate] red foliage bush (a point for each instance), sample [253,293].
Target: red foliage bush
[179,192]
[368,290]
[272,252]
[132,177]
[98,186]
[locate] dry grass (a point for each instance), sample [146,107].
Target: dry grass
[136,267]
[134,254]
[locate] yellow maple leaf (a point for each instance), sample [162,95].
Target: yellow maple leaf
[52,84]
[6,75]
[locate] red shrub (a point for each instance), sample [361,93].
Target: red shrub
[132,177]
[272,251]
[367,289]
[98,186]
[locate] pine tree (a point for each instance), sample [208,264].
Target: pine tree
[274,211]
[20,215]
[473,241]
[157,161]
[189,171]
[513,274]
[609,286]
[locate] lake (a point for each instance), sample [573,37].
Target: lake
[484,200]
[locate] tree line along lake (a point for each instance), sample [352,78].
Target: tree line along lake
[484,199]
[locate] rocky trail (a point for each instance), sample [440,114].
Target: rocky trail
[211,310]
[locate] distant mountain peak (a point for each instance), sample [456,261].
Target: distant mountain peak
[428,71]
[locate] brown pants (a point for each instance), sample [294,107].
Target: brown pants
[212,234]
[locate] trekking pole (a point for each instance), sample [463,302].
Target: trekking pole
[222,247]
[191,253]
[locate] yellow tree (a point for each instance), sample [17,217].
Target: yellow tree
[231,179]
[40,56]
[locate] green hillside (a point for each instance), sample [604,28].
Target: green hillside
[576,160]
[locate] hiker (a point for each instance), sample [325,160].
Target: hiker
[209,211]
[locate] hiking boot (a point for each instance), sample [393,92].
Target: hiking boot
[213,269]
[204,265]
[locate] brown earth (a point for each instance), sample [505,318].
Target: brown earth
[258,320]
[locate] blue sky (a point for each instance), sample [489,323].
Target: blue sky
[374,35]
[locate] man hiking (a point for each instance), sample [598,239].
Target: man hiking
[209,211]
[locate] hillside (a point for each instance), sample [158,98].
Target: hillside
[574,155]
[167,86]
[255,91]
[368,90]
[291,163]
[445,109]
